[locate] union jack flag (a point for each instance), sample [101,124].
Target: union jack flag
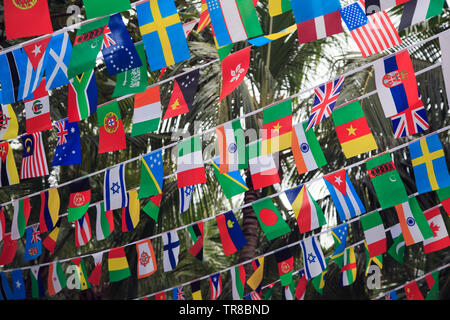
[107,39]
[178,293]
[411,121]
[62,132]
[324,101]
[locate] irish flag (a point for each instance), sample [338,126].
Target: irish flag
[147,111]
[262,167]
[277,127]
[374,233]
[190,162]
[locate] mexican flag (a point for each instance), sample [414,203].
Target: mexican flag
[374,233]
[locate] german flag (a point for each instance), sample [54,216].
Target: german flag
[277,127]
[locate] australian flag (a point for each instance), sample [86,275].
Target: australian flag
[68,149]
[119,52]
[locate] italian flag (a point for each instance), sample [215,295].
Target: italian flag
[277,127]
[147,111]
[190,162]
[374,233]
[262,167]
[56,278]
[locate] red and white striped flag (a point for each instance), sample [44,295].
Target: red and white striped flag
[34,162]
[82,230]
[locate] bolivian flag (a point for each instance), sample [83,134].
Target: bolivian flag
[118,265]
[277,127]
[352,130]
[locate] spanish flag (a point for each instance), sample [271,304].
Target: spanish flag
[277,127]
[118,265]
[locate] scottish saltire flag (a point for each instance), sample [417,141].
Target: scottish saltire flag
[171,250]
[118,48]
[115,190]
[68,146]
[411,121]
[233,20]
[162,33]
[429,164]
[325,99]
[185,196]
[17,289]
[215,285]
[313,258]
[344,196]
[33,243]
[56,60]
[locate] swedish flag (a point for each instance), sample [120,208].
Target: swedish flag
[162,33]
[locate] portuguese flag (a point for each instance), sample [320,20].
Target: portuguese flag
[118,265]
[111,132]
[352,130]
[277,127]
[270,220]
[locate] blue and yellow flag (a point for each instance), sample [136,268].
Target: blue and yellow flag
[162,33]
[429,165]
[231,182]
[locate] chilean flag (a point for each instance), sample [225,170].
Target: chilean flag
[396,83]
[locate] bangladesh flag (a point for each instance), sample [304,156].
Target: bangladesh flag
[277,127]
[353,130]
[270,219]
[386,181]
[111,132]
[100,8]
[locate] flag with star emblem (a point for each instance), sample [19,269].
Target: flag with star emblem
[412,291]
[339,234]
[440,239]
[263,169]
[49,212]
[231,234]
[171,250]
[429,164]
[33,243]
[37,285]
[68,145]
[9,249]
[111,132]
[151,174]
[183,94]
[397,249]
[344,196]
[313,258]
[270,219]
[35,53]
[34,161]
[285,263]
[82,96]
[118,50]
[277,127]
[100,8]
[82,230]
[147,111]
[56,60]
[79,199]
[185,197]
[231,141]
[131,212]
[118,264]
[232,182]
[17,289]
[115,190]
[9,126]
[190,168]
[80,274]
[146,265]
[162,33]
[374,233]
[413,223]
[8,170]
[234,69]
[386,181]
[215,285]
[353,130]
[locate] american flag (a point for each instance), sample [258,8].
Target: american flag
[324,101]
[411,121]
[372,34]
[34,162]
[215,283]
[62,132]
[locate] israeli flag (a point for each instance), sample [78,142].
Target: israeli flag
[115,191]
[185,196]
[313,258]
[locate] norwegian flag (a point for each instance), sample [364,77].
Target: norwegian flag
[411,121]
[107,39]
[324,101]
[62,133]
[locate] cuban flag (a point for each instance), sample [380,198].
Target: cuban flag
[313,257]
[115,191]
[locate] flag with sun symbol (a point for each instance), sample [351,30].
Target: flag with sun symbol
[111,131]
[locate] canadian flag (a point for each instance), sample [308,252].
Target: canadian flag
[441,239]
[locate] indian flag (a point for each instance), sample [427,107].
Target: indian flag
[374,233]
[147,111]
[306,149]
[231,141]
[190,162]
[262,167]
[277,127]
[118,265]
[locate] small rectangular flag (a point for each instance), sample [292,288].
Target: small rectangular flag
[17,290]
[386,181]
[196,290]
[68,145]
[10,125]
[432,280]
[37,110]
[263,169]
[100,8]
[152,207]
[307,211]
[25,19]
[313,258]
[196,232]
[205,20]
[277,7]
[114,188]
[444,197]
[147,111]
[345,198]
[185,197]
[178,293]
[429,164]
[79,199]
[263,40]
[320,27]
[96,273]
[131,213]
[353,130]
[111,131]
[300,289]
[339,234]
[373,6]
[146,265]
[82,96]
[118,265]
[21,215]
[396,83]
[50,242]
[162,33]
[56,60]
[234,68]
[82,230]
[104,225]
[270,219]
[12,78]
[215,286]
[285,263]
[413,223]
[56,278]
[2,224]
[348,270]
[254,281]
[411,121]
[231,234]
[397,249]
[325,97]
[152,178]
[374,233]
[277,127]
[440,239]
[412,291]
[305,10]
[233,20]
[9,249]
[171,250]
[231,182]
[237,282]
[37,285]
[231,141]
[78,279]
[416,11]
[49,212]
[190,169]
[34,161]
[8,169]
[33,243]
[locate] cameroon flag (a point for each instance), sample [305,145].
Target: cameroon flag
[118,265]
[111,132]
[277,127]
[270,219]
[352,130]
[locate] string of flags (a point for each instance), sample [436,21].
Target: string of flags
[24,80]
